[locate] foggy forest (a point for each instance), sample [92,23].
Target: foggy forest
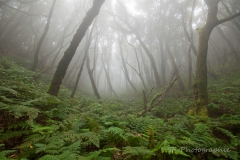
[120,80]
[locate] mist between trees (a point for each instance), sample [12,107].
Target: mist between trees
[115,47]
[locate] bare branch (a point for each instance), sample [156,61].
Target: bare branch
[228,18]
[20,10]
[161,95]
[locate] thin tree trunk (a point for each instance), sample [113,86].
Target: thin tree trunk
[163,63]
[90,73]
[69,53]
[109,81]
[149,54]
[125,68]
[36,59]
[4,26]
[151,58]
[189,36]
[189,68]
[145,68]
[233,50]
[176,71]
[191,46]
[8,36]
[139,68]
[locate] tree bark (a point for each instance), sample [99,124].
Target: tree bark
[69,53]
[200,84]
[88,42]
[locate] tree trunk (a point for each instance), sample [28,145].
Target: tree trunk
[163,63]
[200,85]
[69,53]
[4,26]
[36,59]
[90,73]
[125,69]
[176,71]
[139,67]
[189,68]
[191,46]
[151,58]
[109,80]
[9,34]
[88,41]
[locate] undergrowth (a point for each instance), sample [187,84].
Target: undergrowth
[35,125]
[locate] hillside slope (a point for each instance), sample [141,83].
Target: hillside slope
[35,125]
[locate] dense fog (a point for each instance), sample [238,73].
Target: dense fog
[132,45]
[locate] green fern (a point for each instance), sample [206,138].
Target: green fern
[4,153]
[134,152]
[43,129]
[90,138]
[234,139]
[166,147]
[117,134]
[58,150]
[202,135]
[87,138]
[19,111]
[8,91]
[230,119]
[116,130]
[107,153]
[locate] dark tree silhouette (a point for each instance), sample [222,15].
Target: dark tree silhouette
[69,53]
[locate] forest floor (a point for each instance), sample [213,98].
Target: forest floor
[36,125]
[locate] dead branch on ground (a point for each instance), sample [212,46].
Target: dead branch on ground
[153,102]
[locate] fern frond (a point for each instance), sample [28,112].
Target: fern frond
[19,111]
[4,153]
[87,138]
[131,152]
[230,119]
[8,90]
[96,154]
[165,147]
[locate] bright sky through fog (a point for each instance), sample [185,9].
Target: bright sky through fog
[131,7]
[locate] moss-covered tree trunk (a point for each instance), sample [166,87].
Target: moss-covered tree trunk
[69,53]
[200,84]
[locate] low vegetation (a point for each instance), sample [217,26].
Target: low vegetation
[36,125]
